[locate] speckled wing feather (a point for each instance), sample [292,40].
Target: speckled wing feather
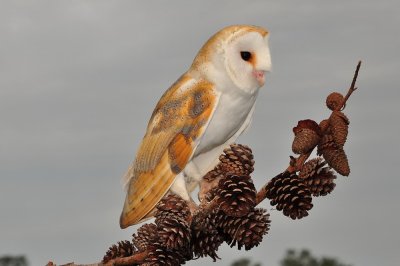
[173,133]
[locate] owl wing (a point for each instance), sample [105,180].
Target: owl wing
[173,133]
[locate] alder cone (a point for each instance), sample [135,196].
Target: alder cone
[307,136]
[327,142]
[206,243]
[337,159]
[290,195]
[319,179]
[339,125]
[237,160]
[146,235]
[247,231]
[324,126]
[237,195]
[334,101]
[305,141]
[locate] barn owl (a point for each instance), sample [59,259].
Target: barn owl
[200,115]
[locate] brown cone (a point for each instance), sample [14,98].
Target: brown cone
[123,249]
[237,195]
[159,255]
[173,231]
[207,224]
[337,159]
[174,204]
[307,136]
[339,125]
[319,179]
[146,235]
[324,126]
[213,174]
[334,101]
[246,231]
[237,160]
[206,243]
[290,194]
[327,142]
[111,253]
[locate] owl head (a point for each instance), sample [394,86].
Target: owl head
[236,56]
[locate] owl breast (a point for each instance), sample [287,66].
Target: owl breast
[230,114]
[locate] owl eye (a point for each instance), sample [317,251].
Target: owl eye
[246,56]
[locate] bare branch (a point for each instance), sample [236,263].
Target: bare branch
[352,86]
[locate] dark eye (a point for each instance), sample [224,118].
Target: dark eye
[245,55]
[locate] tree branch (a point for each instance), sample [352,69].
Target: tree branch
[352,86]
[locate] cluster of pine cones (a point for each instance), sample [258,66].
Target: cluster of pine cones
[176,236]
[292,192]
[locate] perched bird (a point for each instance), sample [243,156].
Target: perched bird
[202,113]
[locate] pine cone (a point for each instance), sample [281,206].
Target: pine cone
[334,101]
[173,231]
[207,224]
[327,142]
[319,179]
[307,136]
[246,231]
[290,194]
[237,195]
[206,243]
[337,159]
[160,256]
[111,253]
[174,204]
[146,235]
[124,249]
[339,125]
[237,160]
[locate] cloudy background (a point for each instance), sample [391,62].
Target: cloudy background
[79,80]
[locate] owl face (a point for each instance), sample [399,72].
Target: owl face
[247,58]
[237,56]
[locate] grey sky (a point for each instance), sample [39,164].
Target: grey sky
[78,82]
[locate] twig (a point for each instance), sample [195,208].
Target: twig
[136,258]
[296,164]
[352,86]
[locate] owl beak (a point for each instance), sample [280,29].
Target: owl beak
[260,76]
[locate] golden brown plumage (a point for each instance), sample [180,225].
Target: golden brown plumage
[177,121]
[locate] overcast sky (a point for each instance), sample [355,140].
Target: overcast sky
[79,80]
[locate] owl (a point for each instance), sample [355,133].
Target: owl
[200,115]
